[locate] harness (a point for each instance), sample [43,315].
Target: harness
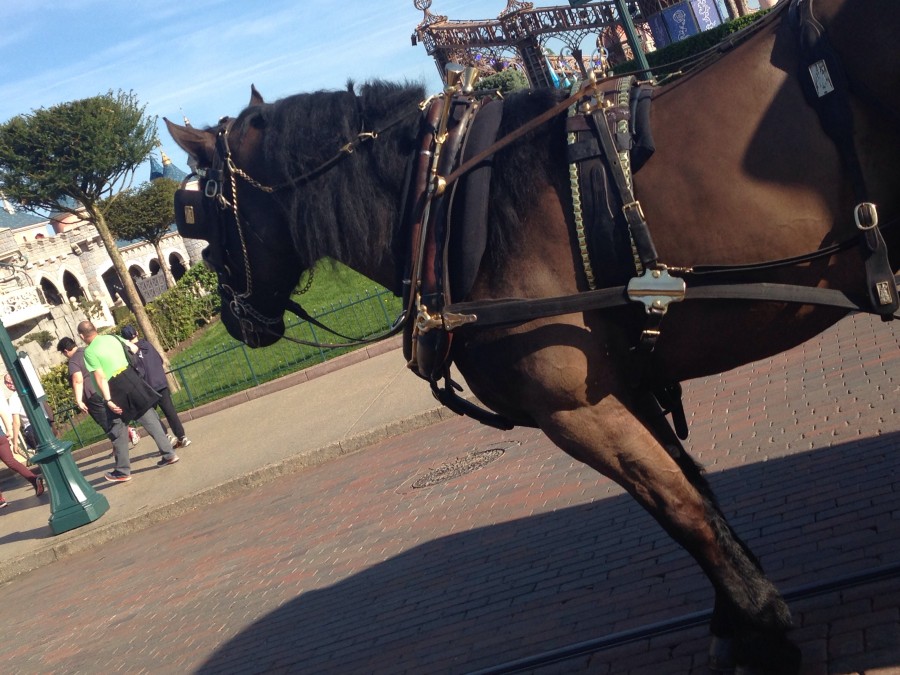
[604,145]
[445,208]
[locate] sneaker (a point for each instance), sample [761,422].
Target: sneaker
[133,435]
[117,476]
[38,486]
[172,440]
[166,461]
[3,503]
[183,442]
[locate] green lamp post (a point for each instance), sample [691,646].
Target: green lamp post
[73,502]
[633,40]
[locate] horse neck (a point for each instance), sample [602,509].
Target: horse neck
[379,193]
[355,208]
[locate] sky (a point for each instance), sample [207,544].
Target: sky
[199,58]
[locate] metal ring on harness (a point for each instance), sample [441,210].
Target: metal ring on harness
[865,214]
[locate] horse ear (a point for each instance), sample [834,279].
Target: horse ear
[255,97]
[198,143]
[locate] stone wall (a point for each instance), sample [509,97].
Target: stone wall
[79,252]
[60,321]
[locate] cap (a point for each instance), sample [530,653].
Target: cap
[129,332]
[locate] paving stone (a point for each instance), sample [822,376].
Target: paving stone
[345,567]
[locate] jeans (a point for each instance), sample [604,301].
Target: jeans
[168,408]
[119,436]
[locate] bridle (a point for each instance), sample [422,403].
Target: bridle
[224,170]
[221,172]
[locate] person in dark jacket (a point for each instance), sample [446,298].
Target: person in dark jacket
[150,365]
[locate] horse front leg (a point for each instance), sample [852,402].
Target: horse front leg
[649,463]
[725,617]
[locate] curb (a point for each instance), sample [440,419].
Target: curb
[86,539]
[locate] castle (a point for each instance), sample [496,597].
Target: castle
[52,268]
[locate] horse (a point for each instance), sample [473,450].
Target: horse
[744,172]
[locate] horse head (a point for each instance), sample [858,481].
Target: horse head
[255,274]
[286,184]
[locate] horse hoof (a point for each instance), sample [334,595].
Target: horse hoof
[769,655]
[721,654]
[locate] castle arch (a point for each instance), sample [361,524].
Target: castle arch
[51,293]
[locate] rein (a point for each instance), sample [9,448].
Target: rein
[344,151]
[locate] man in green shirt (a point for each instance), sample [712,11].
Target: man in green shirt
[126,396]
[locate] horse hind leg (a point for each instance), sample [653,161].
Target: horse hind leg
[639,451]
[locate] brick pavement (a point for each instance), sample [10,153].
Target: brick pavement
[346,567]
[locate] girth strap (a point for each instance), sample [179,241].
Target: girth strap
[509,311]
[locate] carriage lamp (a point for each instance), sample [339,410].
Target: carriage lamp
[467,80]
[73,502]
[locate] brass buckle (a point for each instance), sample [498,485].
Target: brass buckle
[633,206]
[426,322]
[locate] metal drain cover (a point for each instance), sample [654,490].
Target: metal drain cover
[459,467]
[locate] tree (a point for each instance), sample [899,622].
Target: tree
[76,157]
[146,213]
[506,80]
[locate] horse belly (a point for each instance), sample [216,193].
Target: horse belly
[706,338]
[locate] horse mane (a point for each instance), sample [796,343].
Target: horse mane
[524,168]
[350,211]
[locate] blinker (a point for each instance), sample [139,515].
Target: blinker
[190,213]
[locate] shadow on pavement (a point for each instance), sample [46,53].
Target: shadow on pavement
[514,589]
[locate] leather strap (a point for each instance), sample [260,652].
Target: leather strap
[513,310]
[640,233]
[831,100]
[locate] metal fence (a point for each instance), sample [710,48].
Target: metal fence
[232,367]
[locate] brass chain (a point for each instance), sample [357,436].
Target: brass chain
[309,281]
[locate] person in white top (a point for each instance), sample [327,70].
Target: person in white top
[6,455]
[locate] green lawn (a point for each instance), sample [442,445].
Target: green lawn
[333,284]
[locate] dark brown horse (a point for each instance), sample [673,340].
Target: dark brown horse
[743,173]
